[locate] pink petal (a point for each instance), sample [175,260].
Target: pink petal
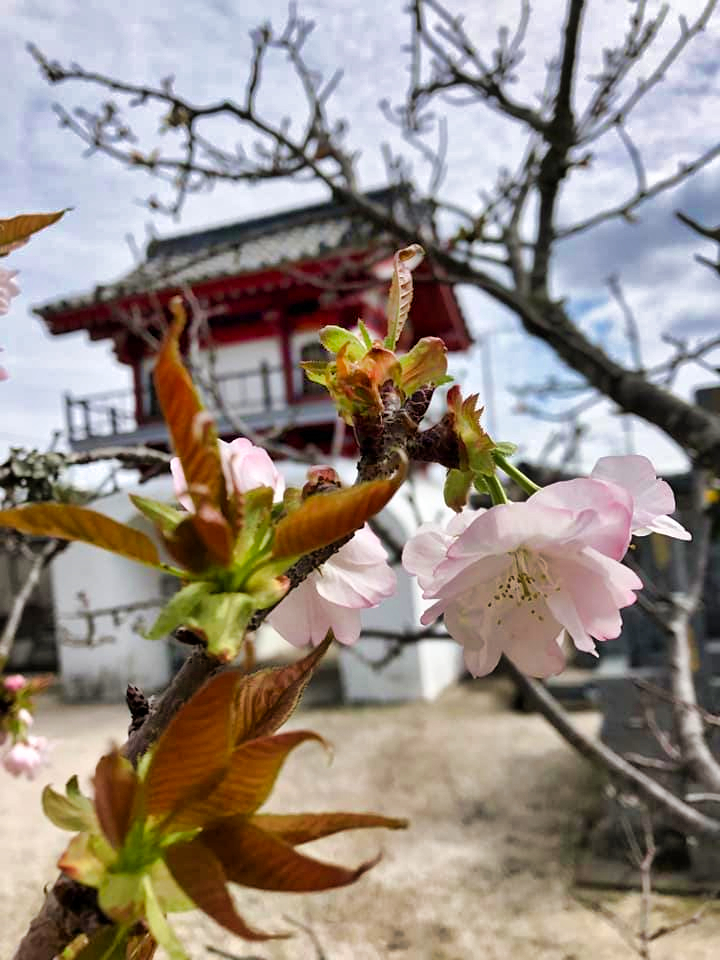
[607,527]
[180,485]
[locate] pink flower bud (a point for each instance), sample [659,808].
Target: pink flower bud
[15,682]
[26,757]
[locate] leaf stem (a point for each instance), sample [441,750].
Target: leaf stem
[524,482]
[496,490]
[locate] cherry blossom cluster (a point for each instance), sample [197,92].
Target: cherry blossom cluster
[516,578]
[21,753]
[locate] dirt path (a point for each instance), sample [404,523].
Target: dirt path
[496,803]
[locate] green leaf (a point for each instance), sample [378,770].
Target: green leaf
[81,863]
[191,428]
[69,812]
[266,699]
[223,618]
[334,338]
[365,334]
[116,785]
[426,363]
[401,293]
[505,448]
[261,860]
[120,896]
[107,943]
[316,371]
[178,610]
[457,487]
[328,517]
[67,522]
[199,873]
[299,828]
[159,927]
[19,228]
[164,516]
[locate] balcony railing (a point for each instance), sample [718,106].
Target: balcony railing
[256,396]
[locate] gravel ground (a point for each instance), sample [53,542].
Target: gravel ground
[497,804]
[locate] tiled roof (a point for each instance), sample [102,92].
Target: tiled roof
[237,248]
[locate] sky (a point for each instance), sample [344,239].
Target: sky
[205,44]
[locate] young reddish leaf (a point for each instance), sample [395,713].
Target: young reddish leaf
[186,547]
[215,533]
[17,229]
[80,863]
[67,522]
[257,859]
[401,292]
[115,785]
[425,363]
[192,431]
[327,517]
[254,768]
[196,746]
[298,828]
[267,698]
[198,871]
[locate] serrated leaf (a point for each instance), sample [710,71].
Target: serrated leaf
[195,747]
[116,784]
[315,371]
[16,229]
[266,699]
[68,813]
[253,769]
[164,516]
[159,927]
[192,430]
[401,292]
[505,448]
[177,611]
[426,363]
[198,871]
[67,522]
[299,828]
[334,338]
[253,858]
[328,517]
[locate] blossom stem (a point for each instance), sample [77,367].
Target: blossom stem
[525,483]
[497,493]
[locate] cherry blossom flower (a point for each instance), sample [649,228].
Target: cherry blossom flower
[514,578]
[8,289]
[14,682]
[331,598]
[245,466]
[653,498]
[25,717]
[27,757]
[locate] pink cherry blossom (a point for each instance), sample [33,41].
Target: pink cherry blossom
[513,578]
[14,682]
[8,289]
[332,597]
[245,467]
[27,757]
[653,499]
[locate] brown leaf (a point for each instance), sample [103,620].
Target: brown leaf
[215,533]
[253,858]
[299,828]
[115,785]
[186,547]
[267,698]
[327,517]
[195,749]
[401,292]
[17,229]
[191,428]
[198,871]
[253,770]
[68,522]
